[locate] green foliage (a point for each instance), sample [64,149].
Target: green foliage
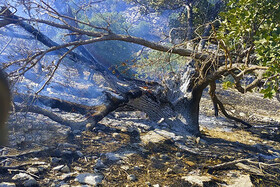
[227,84]
[255,24]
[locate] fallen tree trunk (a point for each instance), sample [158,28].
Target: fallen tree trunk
[175,103]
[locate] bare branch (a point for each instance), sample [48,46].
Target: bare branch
[56,66]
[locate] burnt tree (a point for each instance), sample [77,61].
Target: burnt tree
[174,102]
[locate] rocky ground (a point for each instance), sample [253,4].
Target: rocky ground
[126,149]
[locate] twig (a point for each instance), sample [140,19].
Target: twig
[23,171]
[22,165]
[22,154]
[227,164]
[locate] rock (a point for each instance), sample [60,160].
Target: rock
[27,179]
[55,160]
[33,170]
[43,168]
[30,182]
[197,180]
[7,184]
[99,164]
[89,178]
[22,177]
[131,177]
[65,169]
[156,185]
[156,137]
[242,180]
[112,157]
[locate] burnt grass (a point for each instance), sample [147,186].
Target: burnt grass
[164,163]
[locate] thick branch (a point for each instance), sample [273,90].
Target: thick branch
[216,102]
[51,115]
[111,36]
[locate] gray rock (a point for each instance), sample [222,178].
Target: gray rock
[7,184]
[112,157]
[22,177]
[30,182]
[197,180]
[99,164]
[33,170]
[55,160]
[65,169]
[43,168]
[157,137]
[242,180]
[131,177]
[89,178]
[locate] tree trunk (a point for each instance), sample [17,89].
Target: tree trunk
[181,118]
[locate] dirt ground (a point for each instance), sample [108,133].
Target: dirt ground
[224,155]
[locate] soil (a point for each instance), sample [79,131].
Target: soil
[117,153]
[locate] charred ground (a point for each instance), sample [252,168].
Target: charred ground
[124,149]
